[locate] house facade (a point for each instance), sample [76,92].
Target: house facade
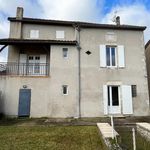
[73,69]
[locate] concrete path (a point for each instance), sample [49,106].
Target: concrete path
[144,125]
[106,130]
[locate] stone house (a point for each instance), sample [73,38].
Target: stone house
[73,69]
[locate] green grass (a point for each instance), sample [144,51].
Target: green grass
[126,139]
[50,138]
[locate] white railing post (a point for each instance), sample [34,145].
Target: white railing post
[112,124]
[134,140]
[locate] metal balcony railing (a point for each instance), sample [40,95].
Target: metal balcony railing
[24,69]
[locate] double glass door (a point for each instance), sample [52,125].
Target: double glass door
[34,64]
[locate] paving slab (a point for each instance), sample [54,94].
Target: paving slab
[106,130]
[144,125]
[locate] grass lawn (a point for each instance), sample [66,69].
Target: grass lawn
[14,137]
[127,142]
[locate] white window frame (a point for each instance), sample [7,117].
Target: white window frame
[111,66]
[60,34]
[110,95]
[63,50]
[35,64]
[34,34]
[63,89]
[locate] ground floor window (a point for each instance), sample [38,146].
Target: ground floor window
[65,89]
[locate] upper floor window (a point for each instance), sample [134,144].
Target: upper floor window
[60,34]
[65,52]
[110,56]
[34,34]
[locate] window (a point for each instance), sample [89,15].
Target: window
[65,52]
[34,34]
[111,56]
[34,64]
[134,91]
[30,57]
[113,96]
[65,89]
[60,34]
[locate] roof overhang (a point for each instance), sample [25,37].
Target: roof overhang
[10,41]
[77,23]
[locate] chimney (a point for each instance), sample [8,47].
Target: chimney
[19,13]
[117,20]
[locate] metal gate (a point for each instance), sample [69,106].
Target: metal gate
[24,102]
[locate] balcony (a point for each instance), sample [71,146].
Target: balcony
[24,69]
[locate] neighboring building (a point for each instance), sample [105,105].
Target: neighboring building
[73,69]
[147,53]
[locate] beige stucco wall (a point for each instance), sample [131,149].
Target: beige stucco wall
[46,97]
[93,77]
[13,54]
[48,32]
[15,30]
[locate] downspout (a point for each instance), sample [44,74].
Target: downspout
[77,36]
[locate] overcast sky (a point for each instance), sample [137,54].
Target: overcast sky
[133,12]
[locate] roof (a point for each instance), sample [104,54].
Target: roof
[81,24]
[147,44]
[11,41]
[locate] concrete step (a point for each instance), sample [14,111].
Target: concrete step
[144,129]
[144,125]
[106,130]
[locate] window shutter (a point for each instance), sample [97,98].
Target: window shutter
[102,55]
[34,34]
[127,99]
[43,65]
[60,34]
[121,56]
[105,99]
[22,64]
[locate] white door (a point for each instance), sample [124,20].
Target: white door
[34,65]
[113,93]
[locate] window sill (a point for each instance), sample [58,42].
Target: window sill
[113,68]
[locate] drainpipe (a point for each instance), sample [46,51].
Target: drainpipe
[77,37]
